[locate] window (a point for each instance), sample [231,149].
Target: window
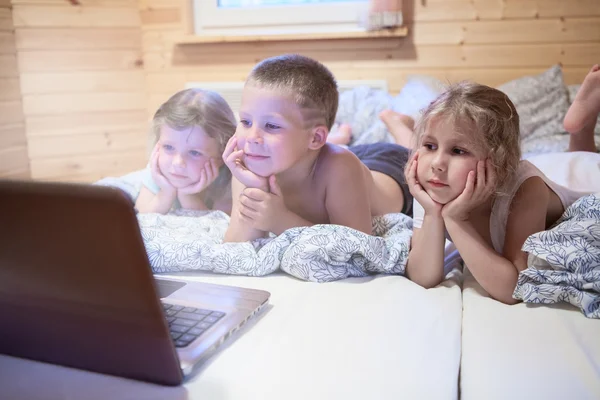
[264,16]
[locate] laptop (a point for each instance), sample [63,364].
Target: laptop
[77,289]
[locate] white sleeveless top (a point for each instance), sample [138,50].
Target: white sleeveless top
[501,206]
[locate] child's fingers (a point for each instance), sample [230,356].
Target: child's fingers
[470,185]
[480,175]
[248,203]
[233,158]
[229,147]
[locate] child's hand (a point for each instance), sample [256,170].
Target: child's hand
[479,187]
[232,158]
[162,182]
[207,176]
[430,206]
[262,210]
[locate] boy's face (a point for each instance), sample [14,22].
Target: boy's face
[271,131]
[445,159]
[183,154]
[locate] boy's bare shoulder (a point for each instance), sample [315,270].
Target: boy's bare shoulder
[338,164]
[338,159]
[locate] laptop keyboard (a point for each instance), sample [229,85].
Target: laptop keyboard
[188,323]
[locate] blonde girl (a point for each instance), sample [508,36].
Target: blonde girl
[186,170]
[471,187]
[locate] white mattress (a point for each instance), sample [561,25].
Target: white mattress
[369,338]
[526,351]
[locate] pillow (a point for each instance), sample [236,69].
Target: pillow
[541,101]
[416,94]
[578,171]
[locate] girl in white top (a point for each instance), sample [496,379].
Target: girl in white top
[186,169]
[469,184]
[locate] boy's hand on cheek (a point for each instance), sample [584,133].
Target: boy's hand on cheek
[232,156]
[264,211]
[478,189]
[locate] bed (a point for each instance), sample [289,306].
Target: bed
[526,351]
[379,337]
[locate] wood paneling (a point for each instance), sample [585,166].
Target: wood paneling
[73,16]
[82,83]
[14,161]
[491,41]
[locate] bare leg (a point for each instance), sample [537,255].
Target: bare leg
[583,113]
[400,126]
[343,135]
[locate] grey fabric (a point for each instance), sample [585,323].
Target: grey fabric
[541,101]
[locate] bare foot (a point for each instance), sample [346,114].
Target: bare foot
[583,113]
[400,126]
[343,135]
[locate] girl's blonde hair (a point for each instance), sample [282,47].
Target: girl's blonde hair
[205,109]
[491,121]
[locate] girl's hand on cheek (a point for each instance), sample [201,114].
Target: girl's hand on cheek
[430,206]
[479,187]
[207,176]
[232,156]
[158,177]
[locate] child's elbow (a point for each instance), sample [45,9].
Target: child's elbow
[506,298]
[427,282]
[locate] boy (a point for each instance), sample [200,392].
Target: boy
[286,175]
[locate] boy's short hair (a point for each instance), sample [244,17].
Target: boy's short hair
[308,82]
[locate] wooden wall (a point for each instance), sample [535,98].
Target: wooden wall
[14,162]
[83,87]
[491,41]
[91,72]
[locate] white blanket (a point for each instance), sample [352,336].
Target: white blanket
[192,241]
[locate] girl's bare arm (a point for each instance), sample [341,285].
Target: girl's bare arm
[426,258]
[148,202]
[498,273]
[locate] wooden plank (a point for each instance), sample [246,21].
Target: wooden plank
[19,173]
[556,30]
[66,145]
[84,3]
[165,40]
[160,16]
[10,89]
[8,66]
[77,38]
[45,104]
[11,112]
[7,43]
[119,162]
[6,23]
[68,16]
[5,4]
[87,123]
[101,60]
[469,10]
[13,158]
[73,82]
[406,56]
[12,135]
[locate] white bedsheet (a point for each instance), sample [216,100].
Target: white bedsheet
[526,351]
[379,337]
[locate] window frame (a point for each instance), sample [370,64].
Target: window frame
[208,19]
